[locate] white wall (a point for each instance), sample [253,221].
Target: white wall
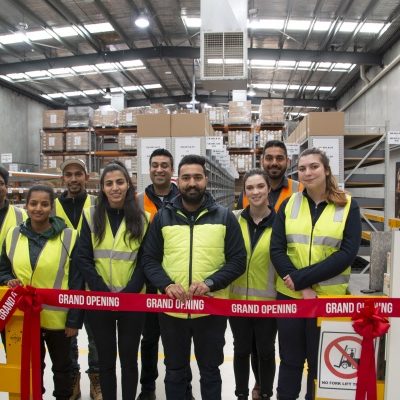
[20,123]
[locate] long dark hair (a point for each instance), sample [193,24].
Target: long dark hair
[333,193]
[134,216]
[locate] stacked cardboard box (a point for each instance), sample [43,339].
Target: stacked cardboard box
[240,139]
[48,162]
[271,110]
[154,125]
[156,108]
[105,117]
[80,116]
[216,115]
[127,117]
[54,118]
[239,112]
[266,135]
[127,140]
[52,141]
[78,141]
[242,162]
[130,163]
[187,125]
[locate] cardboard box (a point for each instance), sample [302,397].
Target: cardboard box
[127,117]
[188,125]
[154,125]
[324,123]
[52,141]
[54,118]
[51,161]
[78,141]
[127,140]
[105,117]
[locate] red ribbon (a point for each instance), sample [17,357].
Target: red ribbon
[30,303]
[370,324]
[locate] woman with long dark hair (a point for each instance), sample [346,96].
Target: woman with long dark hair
[315,238]
[108,256]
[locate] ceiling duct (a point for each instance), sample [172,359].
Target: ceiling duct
[223,44]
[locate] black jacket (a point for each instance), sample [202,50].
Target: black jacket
[73,206]
[174,191]
[235,253]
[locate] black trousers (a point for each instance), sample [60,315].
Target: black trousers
[246,331]
[298,341]
[208,334]
[58,346]
[111,329]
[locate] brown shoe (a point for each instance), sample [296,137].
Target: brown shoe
[255,393]
[76,386]
[95,389]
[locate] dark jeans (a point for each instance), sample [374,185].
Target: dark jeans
[58,346]
[110,328]
[298,341]
[93,358]
[244,331]
[254,360]
[208,335]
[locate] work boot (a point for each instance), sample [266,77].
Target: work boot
[255,393]
[76,386]
[242,397]
[147,396]
[95,389]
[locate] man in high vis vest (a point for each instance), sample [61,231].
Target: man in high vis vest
[10,216]
[194,247]
[158,193]
[275,162]
[69,206]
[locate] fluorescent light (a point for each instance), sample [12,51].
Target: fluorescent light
[305,64]
[38,35]
[46,96]
[324,65]
[342,65]
[267,24]
[348,26]
[298,25]
[37,74]
[83,68]
[322,26]
[98,28]
[263,63]
[17,76]
[130,88]
[286,63]
[74,93]
[372,27]
[131,63]
[60,71]
[325,88]
[279,86]
[116,90]
[251,92]
[56,95]
[65,31]
[233,60]
[261,85]
[6,78]
[92,91]
[12,38]
[106,67]
[153,86]
[310,87]
[294,87]
[191,22]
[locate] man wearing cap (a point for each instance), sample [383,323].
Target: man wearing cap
[10,216]
[69,206]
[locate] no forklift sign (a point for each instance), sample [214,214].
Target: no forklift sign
[339,355]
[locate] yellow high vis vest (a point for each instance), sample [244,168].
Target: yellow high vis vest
[15,216]
[307,245]
[114,257]
[59,211]
[258,282]
[51,270]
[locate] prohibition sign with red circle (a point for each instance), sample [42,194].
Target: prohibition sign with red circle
[336,344]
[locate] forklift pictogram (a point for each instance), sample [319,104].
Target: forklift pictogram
[345,358]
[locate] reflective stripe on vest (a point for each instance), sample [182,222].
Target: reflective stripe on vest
[258,282]
[146,204]
[14,217]
[308,244]
[114,257]
[45,274]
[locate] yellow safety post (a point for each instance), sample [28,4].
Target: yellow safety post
[11,371]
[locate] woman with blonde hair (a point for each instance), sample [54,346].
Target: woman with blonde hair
[315,239]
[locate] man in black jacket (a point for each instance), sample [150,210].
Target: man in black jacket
[194,248]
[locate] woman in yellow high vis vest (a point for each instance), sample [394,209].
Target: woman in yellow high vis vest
[315,239]
[37,253]
[257,283]
[108,256]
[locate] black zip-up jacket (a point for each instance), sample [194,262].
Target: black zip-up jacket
[333,265]
[235,253]
[73,206]
[173,192]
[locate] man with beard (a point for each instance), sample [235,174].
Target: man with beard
[275,162]
[69,206]
[194,247]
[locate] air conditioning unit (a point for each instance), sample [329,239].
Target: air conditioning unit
[223,44]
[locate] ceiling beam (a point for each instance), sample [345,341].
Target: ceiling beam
[190,53]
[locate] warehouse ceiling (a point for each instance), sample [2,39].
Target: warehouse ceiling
[72,52]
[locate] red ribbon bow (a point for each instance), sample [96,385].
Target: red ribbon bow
[370,324]
[30,303]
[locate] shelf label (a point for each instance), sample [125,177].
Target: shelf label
[293,149]
[147,146]
[185,146]
[394,137]
[6,158]
[53,118]
[214,142]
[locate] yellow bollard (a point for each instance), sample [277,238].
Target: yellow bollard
[11,371]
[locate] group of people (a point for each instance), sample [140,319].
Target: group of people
[287,240]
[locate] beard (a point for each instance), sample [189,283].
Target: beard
[193,195]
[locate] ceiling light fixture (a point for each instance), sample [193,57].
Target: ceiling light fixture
[107,94]
[142,21]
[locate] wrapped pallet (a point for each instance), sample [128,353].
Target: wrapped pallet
[239,112]
[54,118]
[127,117]
[80,116]
[105,117]
[271,111]
[52,141]
[127,140]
